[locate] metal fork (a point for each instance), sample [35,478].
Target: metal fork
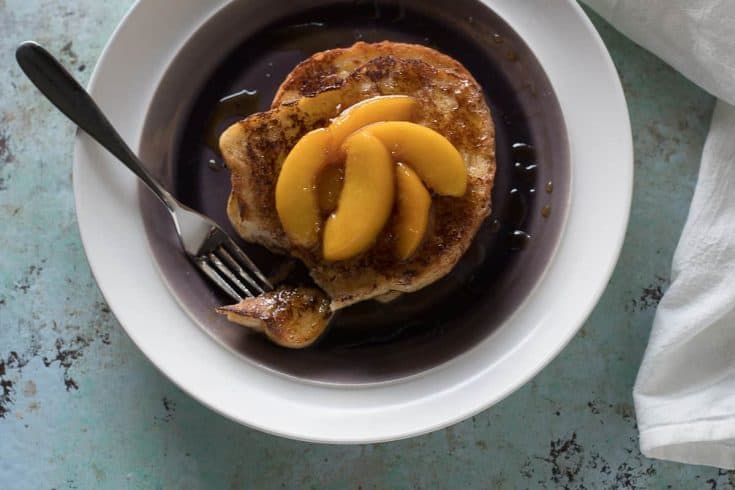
[204,242]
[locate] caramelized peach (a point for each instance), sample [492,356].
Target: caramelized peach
[430,154]
[412,216]
[376,109]
[329,186]
[366,200]
[297,202]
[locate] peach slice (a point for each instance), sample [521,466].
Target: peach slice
[369,111]
[412,216]
[366,200]
[297,201]
[430,154]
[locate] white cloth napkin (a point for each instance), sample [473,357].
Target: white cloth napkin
[685,391]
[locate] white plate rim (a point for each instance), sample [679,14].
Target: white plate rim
[105,192]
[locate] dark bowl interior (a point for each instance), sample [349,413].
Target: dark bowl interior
[250,46]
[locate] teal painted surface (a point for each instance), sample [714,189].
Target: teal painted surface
[80,407]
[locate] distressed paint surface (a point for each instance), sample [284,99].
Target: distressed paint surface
[80,407]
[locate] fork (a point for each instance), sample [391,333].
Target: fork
[205,243]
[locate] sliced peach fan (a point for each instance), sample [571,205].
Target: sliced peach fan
[297,200]
[368,137]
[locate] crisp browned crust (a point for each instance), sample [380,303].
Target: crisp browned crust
[450,102]
[329,68]
[290,317]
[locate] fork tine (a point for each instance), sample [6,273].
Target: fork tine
[240,259]
[223,254]
[231,277]
[212,274]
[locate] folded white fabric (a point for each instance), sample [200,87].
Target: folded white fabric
[685,391]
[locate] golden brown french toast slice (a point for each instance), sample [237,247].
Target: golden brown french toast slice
[450,102]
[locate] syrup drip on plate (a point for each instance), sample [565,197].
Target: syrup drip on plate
[518,209]
[227,110]
[518,239]
[524,153]
[525,169]
[515,215]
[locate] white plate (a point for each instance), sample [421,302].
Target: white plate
[592,102]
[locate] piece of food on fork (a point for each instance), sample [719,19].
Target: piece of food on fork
[291,317]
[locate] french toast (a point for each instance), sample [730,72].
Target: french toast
[327,69]
[450,102]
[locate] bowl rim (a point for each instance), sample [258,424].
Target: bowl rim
[528,341]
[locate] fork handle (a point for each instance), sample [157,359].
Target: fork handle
[59,87]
